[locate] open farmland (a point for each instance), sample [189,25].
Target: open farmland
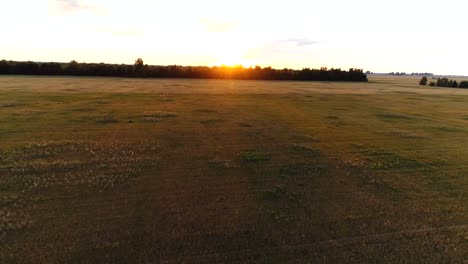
[96,170]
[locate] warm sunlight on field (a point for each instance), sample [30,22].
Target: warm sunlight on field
[120,170]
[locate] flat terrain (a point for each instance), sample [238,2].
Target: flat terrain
[113,170]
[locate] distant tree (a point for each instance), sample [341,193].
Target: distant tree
[450,83]
[432,84]
[50,68]
[28,68]
[72,68]
[139,64]
[463,84]
[5,67]
[73,64]
[423,81]
[444,82]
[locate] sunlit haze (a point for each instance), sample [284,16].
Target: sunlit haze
[380,36]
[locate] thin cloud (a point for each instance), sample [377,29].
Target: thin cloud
[219,26]
[301,42]
[121,32]
[71,6]
[286,46]
[282,50]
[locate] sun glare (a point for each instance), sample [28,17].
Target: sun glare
[233,53]
[229,60]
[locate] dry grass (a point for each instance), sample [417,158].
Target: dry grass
[157,116]
[100,164]
[170,171]
[166,87]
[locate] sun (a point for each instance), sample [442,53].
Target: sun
[231,60]
[233,54]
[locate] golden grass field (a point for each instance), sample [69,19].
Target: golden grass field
[114,170]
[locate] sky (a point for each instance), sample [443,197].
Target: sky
[379,36]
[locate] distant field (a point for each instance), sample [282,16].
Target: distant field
[96,170]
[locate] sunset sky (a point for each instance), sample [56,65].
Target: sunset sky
[380,36]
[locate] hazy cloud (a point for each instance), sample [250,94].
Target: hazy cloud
[282,50]
[285,46]
[121,32]
[219,26]
[300,42]
[74,6]
[71,5]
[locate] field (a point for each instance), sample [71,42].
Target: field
[113,170]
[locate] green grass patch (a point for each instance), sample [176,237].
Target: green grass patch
[305,150]
[379,159]
[254,156]
[415,98]
[279,216]
[106,120]
[302,169]
[274,194]
[446,129]
[222,163]
[394,116]
[157,116]
[84,109]
[11,105]
[211,121]
[439,182]
[160,114]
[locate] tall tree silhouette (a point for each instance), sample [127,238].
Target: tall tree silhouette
[139,64]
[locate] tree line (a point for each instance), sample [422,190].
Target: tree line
[141,70]
[422,74]
[397,73]
[444,82]
[412,74]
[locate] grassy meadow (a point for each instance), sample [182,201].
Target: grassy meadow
[115,170]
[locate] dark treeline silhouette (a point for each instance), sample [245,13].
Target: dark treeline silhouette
[422,74]
[444,82]
[397,73]
[139,69]
[412,74]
